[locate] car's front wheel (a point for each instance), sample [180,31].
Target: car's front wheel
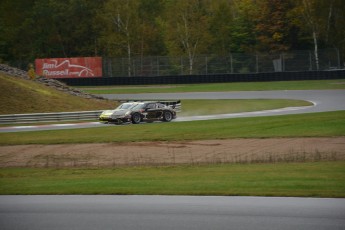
[136,118]
[167,116]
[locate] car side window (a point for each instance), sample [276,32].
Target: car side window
[150,106]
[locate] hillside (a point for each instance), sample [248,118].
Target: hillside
[19,95]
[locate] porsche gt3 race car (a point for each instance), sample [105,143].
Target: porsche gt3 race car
[137,112]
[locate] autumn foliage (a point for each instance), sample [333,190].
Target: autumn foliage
[33,29]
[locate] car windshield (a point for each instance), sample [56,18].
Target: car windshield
[138,106]
[125,106]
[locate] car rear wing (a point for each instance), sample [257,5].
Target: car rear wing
[175,105]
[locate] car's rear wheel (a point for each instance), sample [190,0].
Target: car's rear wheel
[136,118]
[167,116]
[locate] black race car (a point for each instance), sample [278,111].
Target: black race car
[153,111]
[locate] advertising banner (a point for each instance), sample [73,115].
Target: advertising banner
[80,67]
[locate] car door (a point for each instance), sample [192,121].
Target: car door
[159,110]
[151,111]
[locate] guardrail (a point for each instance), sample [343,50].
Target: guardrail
[46,117]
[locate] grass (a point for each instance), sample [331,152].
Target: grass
[327,124]
[210,107]
[220,87]
[25,96]
[316,179]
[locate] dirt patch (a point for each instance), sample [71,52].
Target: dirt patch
[169,153]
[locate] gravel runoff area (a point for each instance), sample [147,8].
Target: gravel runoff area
[170,153]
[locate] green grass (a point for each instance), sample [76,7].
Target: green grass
[25,96]
[210,107]
[220,87]
[317,179]
[326,124]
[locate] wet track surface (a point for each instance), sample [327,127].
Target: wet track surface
[324,100]
[170,212]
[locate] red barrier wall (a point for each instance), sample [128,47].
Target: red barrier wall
[81,67]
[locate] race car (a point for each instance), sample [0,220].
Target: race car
[153,111]
[119,115]
[142,111]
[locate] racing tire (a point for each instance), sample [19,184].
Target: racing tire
[167,116]
[136,118]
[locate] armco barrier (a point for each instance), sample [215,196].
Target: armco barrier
[46,117]
[216,78]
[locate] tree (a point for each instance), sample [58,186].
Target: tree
[272,25]
[130,28]
[335,26]
[318,20]
[152,40]
[220,26]
[14,42]
[243,38]
[79,25]
[60,28]
[120,29]
[313,22]
[186,24]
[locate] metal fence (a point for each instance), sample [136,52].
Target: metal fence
[328,59]
[49,117]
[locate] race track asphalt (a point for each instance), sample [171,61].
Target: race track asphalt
[323,100]
[170,212]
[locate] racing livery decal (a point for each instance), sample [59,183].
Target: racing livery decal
[69,67]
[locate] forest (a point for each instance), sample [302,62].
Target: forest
[33,29]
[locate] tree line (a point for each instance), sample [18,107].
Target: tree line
[33,29]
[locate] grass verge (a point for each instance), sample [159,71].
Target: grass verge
[325,124]
[316,179]
[221,87]
[25,96]
[210,107]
